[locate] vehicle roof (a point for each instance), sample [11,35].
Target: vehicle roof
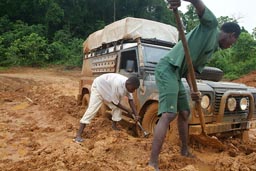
[129,29]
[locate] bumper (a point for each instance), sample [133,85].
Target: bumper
[222,127]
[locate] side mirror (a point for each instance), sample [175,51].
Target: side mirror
[129,66]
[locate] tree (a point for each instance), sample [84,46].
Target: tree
[61,26]
[190,18]
[254,33]
[30,50]
[238,60]
[225,19]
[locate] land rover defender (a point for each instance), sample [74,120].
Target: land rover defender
[133,46]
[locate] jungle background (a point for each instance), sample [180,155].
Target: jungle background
[39,114]
[40,33]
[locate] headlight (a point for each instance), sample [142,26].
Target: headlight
[231,104]
[205,102]
[243,103]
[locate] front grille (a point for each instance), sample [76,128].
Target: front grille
[237,111]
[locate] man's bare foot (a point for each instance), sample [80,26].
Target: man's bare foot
[78,140]
[114,126]
[153,165]
[187,154]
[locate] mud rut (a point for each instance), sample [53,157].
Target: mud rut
[39,117]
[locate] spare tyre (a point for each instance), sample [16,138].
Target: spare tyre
[210,73]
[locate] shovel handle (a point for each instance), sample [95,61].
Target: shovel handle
[138,123]
[190,66]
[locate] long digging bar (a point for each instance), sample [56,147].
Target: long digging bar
[203,138]
[146,134]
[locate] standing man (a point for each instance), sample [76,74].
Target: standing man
[109,88]
[203,41]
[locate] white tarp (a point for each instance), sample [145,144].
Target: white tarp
[131,28]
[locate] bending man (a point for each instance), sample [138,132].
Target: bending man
[109,88]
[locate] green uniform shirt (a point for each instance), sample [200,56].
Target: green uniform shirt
[202,42]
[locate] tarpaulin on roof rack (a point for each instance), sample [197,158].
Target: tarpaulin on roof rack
[131,28]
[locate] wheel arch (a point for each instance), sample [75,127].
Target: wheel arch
[86,89]
[145,106]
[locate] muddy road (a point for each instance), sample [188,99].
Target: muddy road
[39,118]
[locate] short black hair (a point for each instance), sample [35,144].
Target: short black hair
[134,81]
[231,27]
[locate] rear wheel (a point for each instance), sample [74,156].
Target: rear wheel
[151,119]
[85,100]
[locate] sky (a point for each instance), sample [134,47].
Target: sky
[244,11]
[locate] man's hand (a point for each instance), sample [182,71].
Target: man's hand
[196,96]
[135,117]
[174,3]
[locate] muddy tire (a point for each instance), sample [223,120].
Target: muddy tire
[244,136]
[211,74]
[85,100]
[150,120]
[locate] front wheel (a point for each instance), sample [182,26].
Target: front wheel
[151,119]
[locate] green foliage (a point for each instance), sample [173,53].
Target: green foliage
[30,50]
[2,50]
[75,55]
[69,55]
[11,31]
[254,33]
[41,32]
[54,14]
[245,47]
[65,50]
[3,68]
[21,44]
[190,18]
[224,19]
[238,60]
[15,38]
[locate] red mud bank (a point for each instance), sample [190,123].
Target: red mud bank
[39,117]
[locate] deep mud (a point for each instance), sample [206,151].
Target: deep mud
[39,117]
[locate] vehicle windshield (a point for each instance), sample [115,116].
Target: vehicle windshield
[152,54]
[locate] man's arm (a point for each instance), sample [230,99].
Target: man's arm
[198,4]
[134,111]
[195,96]
[132,105]
[119,105]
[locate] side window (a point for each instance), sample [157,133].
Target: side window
[128,61]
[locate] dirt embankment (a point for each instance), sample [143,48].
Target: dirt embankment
[249,79]
[39,118]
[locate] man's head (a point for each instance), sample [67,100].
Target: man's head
[230,31]
[132,84]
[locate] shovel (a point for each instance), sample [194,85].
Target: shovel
[202,138]
[146,134]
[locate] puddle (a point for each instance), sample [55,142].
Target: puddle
[20,106]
